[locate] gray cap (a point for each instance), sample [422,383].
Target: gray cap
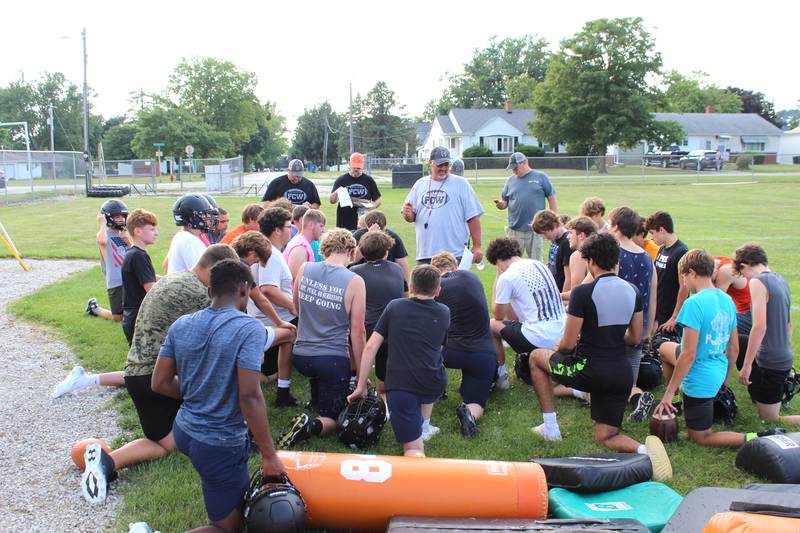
[440,155]
[515,159]
[457,167]
[296,167]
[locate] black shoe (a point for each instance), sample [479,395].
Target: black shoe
[643,408]
[91,307]
[298,432]
[285,399]
[773,431]
[311,406]
[469,426]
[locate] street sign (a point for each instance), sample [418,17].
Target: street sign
[189,150]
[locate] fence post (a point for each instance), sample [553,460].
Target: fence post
[74,177]
[4,176]
[55,185]
[586,160]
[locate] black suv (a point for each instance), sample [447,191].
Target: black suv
[699,160]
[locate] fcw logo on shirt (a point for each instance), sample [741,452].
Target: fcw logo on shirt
[295,196]
[434,199]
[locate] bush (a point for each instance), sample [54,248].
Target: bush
[530,151]
[477,151]
[743,162]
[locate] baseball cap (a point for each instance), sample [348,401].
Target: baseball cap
[357,159]
[515,159]
[296,167]
[440,155]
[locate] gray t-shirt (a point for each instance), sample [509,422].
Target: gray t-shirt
[525,197]
[776,348]
[384,282]
[324,323]
[115,254]
[442,209]
[208,347]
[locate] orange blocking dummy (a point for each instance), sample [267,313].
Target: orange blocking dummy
[364,492]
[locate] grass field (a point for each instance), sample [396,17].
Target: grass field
[167,494]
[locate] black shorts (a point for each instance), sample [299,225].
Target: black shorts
[766,385]
[156,411]
[115,300]
[269,366]
[698,413]
[608,382]
[512,334]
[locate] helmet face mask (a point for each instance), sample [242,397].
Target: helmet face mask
[360,424]
[273,506]
[112,208]
[725,406]
[194,211]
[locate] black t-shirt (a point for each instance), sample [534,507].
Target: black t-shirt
[298,194]
[606,306]
[462,292]
[363,188]
[416,330]
[668,280]
[398,251]
[557,261]
[137,269]
[384,282]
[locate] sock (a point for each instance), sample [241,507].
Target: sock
[635,399]
[426,422]
[284,383]
[580,394]
[642,449]
[92,379]
[316,427]
[501,370]
[750,436]
[550,420]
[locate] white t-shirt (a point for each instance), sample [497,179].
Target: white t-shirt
[442,209]
[529,287]
[184,252]
[277,274]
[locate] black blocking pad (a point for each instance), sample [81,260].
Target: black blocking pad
[774,487]
[599,472]
[776,458]
[412,524]
[701,504]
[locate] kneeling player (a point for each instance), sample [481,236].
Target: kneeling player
[416,329]
[607,314]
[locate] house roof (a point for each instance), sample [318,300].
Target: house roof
[471,120]
[423,129]
[447,125]
[725,123]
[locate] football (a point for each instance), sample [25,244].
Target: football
[665,427]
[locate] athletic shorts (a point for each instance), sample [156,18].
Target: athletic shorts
[477,373]
[609,382]
[270,364]
[115,300]
[223,473]
[512,334]
[156,411]
[698,413]
[766,385]
[330,375]
[406,415]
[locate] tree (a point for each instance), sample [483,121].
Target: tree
[684,94]
[755,102]
[309,135]
[665,133]
[790,117]
[176,127]
[596,92]
[384,131]
[117,141]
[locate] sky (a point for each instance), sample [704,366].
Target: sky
[306,52]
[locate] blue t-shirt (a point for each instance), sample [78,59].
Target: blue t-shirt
[525,197]
[712,313]
[208,347]
[637,268]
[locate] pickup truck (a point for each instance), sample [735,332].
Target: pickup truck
[664,159]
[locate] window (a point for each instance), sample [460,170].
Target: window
[480,141]
[754,147]
[685,142]
[453,143]
[505,145]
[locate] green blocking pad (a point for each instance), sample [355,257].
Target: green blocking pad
[650,503]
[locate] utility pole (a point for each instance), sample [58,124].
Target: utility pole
[52,126]
[325,145]
[352,148]
[85,96]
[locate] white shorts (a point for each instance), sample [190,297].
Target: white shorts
[270,338]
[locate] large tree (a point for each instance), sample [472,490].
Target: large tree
[756,102]
[692,94]
[117,141]
[384,130]
[596,90]
[309,135]
[790,117]
[176,127]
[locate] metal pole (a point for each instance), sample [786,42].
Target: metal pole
[325,145]
[85,96]
[74,176]
[350,112]
[28,151]
[2,174]
[50,121]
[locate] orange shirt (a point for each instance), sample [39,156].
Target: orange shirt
[741,297]
[651,248]
[232,234]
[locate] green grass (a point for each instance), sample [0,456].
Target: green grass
[167,494]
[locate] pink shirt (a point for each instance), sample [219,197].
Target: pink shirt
[299,240]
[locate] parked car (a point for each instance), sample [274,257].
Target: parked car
[664,158]
[699,160]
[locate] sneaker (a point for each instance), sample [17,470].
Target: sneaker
[92,307]
[428,431]
[662,468]
[546,434]
[643,407]
[502,382]
[99,472]
[298,432]
[139,527]
[285,399]
[75,380]
[469,426]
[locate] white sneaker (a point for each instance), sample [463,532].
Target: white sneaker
[93,480]
[139,527]
[546,433]
[502,382]
[75,380]
[428,432]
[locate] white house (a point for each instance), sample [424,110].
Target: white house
[790,146]
[499,129]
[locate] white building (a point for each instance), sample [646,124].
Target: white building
[790,146]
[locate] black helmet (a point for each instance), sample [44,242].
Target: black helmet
[214,210]
[522,367]
[111,208]
[725,406]
[650,372]
[790,387]
[273,506]
[660,338]
[360,423]
[193,210]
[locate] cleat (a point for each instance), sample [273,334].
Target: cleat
[643,407]
[662,468]
[92,307]
[98,473]
[542,431]
[298,432]
[469,426]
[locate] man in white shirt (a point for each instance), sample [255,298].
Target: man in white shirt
[194,214]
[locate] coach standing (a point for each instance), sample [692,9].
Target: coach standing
[445,211]
[294,187]
[524,194]
[362,190]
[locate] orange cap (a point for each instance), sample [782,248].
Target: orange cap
[357,159]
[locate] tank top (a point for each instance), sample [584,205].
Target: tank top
[299,240]
[324,323]
[115,254]
[740,297]
[776,348]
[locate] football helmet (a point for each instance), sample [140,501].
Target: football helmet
[790,387]
[111,208]
[522,367]
[360,423]
[660,338]
[194,211]
[273,506]
[725,406]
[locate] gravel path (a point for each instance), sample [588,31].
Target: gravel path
[39,485]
